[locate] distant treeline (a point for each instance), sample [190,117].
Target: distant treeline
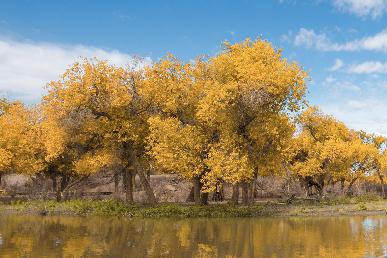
[221,119]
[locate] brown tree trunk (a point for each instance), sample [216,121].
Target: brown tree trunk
[253,189]
[349,189]
[304,184]
[54,183]
[190,197]
[147,187]
[116,179]
[197,188]
[382,184]
[63,185]
[128,185]
[204,199]
[58,195]
[218,195]
[320,189]
[116,182]
[342,185]
[64,182]
[245,193]
[235,194]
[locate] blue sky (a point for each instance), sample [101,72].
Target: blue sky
[342,43]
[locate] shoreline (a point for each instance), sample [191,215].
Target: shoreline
[112,208]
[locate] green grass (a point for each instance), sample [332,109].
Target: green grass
[352,199]
[121,209]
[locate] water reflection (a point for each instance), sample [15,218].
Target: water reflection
[31,236]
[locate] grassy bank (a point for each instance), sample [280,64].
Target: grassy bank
[363,205]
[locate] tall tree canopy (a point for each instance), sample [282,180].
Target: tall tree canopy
[21,150]
[95,112]
[225,118]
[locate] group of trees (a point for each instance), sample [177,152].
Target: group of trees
[224,119]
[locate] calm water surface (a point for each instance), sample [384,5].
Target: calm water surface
[34,236]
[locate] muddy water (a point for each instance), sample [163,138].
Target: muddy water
[34,236]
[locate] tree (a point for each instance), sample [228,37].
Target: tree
[381,172]
[379,164]
[21,150]
[96,109]
[68,148]
[249,105]
[178,141]
[236,107]
[362,158]
[322,150]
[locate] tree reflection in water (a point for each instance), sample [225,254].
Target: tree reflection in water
[33,236]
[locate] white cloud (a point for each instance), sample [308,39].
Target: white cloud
[339,85]
[330,80]
[363,108]
[361,114]
[368,67]
[362,8]
[337,65]
[26,67]
[360,104]
[310,39]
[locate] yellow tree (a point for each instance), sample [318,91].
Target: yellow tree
[178,141]
[248,105]
[95,111]
[379,165]
[235,107]
[382,172]
[5,154]
[322,150]
[21,150]
[362,158]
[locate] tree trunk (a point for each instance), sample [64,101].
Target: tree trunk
[116,182]
[64,182]
[305,184]
[197,188]
[128,185]
[319,188]
[58,195]
[253,189]
[342,185]
[245,193]
[63,185]
[349,189]
[191,197]
[218,194]
[147,187]
[382,184]
[54,183]
[204,199]
[320,185]
[235,194]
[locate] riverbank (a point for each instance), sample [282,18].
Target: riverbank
[362,205]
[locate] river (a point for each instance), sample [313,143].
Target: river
[36,236]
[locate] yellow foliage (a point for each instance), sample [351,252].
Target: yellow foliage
[177,148]
[20,140]
[91,163]
[226,161]
[92,109]
[225,118]
[323,146]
